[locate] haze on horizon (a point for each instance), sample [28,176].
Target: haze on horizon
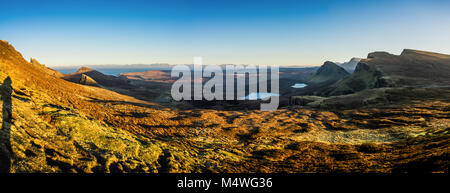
[286,32]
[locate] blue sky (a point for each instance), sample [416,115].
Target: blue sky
[281,32]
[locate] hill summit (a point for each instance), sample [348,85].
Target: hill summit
[84,69]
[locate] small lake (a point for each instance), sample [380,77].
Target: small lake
[299,85]
[259,95]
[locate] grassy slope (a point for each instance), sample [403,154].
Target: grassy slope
[51,131]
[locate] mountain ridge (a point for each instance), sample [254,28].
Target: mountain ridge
[350,65]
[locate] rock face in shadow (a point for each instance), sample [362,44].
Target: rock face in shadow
[86,80]
[59,126]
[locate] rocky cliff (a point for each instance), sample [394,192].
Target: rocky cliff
[381,69]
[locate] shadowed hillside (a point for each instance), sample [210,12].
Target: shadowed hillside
[56,127]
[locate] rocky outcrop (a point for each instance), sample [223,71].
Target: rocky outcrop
[86,80]
[52,125]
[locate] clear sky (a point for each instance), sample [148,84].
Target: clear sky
[279,32]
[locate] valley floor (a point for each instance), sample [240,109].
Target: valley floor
[125,136]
